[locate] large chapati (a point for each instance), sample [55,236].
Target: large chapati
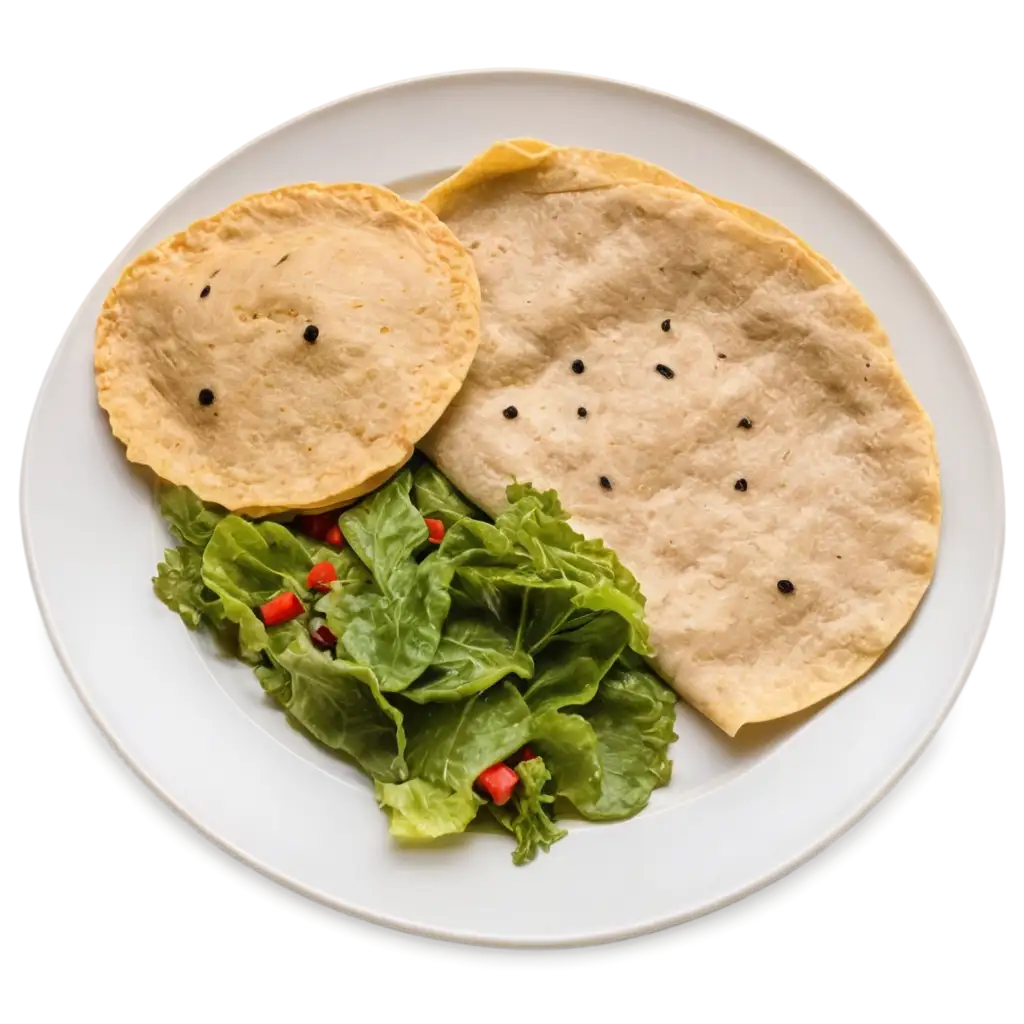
[710,397]
[288,352]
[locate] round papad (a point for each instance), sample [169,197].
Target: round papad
[710,397]
[288,352]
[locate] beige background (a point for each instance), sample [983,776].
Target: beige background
[102,112]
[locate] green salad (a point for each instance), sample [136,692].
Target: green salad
[461,663]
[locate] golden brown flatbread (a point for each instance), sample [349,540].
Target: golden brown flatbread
[713,400]
[288,352]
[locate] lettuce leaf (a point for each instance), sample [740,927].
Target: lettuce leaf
[179,584]
[179,580]
[397,633]
[448,746]
[473,655]
[610,757]
[544,612]
[437,499]
[527,816]
[573,665]
[191,520]
[246,564]
[418,809]
[347,564]
[570,750]
[536,523]
[385,530]
[339,703]
[451,744]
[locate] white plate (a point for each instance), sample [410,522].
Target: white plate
[737,814]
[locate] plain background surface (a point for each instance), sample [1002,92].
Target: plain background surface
[112,906]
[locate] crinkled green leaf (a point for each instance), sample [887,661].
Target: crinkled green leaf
[179,584]
[346,562]
[419,809]
[451,744]
[494,589]
[544,612]
[435,497]
[569,746]
[191,520]
[525,585]
[397,633]
[354,580]
[337,702]
[571,667]
[621,737]
[246,564]
[473,655]
[527,816]
[524,499]
[385,530]
[536,523]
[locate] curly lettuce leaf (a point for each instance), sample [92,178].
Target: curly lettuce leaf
[246,564]
[339,703]
[525,499]
[478,543]
[179,584]
[348,594]
[419,809]
[397,633]
[179,581]
[544,612]
[613,754]
[347,564]
[436,498]
[495,589]
[385,530]
[190,519]
[451,744]
[569,747]
[490,571]
[472,656]
[573,665]
[531,566]
[527,816]
[448,746]
[536,523]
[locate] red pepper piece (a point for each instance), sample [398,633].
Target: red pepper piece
[321,576]
[334,537]
[322,635]
[435,530]
[316,526]
[499,780]
[282,608]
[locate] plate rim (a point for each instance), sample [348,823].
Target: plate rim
[389,920]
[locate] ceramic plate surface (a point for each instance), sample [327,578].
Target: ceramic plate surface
[737,814]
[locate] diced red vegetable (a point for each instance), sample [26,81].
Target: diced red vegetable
[435,530]
[322,635]
[334,536]
[282,608]
[317,526]
[321,576]
[499,780]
